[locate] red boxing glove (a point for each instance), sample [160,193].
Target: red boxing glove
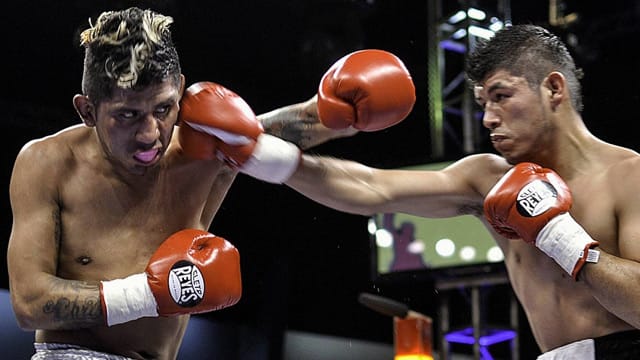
[525,200]
[208,105]
[191,272]
[368,89]
[233,133]
[532,203]
[196,144]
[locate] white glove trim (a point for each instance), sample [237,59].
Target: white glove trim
[226,137]
[566,242]
[273,160]
[128,299]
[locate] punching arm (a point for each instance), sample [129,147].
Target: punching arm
[299,124]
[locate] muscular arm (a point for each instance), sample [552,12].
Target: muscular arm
[355,188]
[299,124]
[40,299]
[612,280]
[611,283]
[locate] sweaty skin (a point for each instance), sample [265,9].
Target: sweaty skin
[526,124]
[94,201]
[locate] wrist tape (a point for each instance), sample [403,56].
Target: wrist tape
[273,160]
[127,299]
[566,242]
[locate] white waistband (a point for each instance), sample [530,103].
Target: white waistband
[54,351]
[579,350]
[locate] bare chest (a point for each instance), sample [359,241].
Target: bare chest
[542,285]
[109,228]
[594,207]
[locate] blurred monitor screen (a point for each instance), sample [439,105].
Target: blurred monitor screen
[406,243]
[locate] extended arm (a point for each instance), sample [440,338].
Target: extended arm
[356,188]
[367,90]
[299,124]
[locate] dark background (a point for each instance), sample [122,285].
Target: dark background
[303,264]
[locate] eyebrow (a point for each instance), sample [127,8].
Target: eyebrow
[495,86]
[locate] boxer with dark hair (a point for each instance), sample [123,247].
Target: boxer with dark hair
[563,205]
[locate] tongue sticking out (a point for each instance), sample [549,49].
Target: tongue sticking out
[147,156]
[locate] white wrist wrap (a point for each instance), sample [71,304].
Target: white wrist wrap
[273,160]
[128,299]
[566,242]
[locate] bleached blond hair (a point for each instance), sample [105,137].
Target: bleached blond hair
[127,49]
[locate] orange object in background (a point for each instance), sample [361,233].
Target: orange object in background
[412,338]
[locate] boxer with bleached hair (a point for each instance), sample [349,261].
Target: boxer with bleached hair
[110,249]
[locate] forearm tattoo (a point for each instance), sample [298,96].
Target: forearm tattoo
[76,307]
[290,125]
[75,310]
[299,124]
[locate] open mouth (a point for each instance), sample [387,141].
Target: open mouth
[148,156]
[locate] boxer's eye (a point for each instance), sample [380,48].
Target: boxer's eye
[163,110]
[499,97]
[126,115]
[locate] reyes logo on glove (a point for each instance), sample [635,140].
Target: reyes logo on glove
[186,284]
[535,198]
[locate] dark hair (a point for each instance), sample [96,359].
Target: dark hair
[127,49]
[525,50]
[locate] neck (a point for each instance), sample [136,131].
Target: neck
[573,147]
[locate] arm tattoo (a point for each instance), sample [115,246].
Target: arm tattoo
[76,310]
[289,127]
[75,307]
[71,310]
[299,124]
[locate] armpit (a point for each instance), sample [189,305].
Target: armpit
[471,209]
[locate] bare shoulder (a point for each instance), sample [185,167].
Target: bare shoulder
[620,175]
[485,163]
[55,141]
[481,171]
[624,165]
[622,184]
[50,154]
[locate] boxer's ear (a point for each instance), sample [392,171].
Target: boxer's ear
[555,84]
[85,109]
[182,84]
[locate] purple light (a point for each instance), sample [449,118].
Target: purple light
[465,336]
[453,46]
[490,337]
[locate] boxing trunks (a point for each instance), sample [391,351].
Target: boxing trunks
[619,346]
[55,351]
